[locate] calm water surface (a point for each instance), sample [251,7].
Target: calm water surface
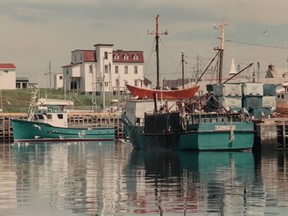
[105,178]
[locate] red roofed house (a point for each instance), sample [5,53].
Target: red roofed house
[103,69]
[7,76]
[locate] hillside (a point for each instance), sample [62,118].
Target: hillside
[18,100]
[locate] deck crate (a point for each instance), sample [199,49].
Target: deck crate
[269,90]
[227,89]
[252,102]
[269,101]
[252,89]
[230,102]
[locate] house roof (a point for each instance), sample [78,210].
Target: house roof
[89,56]
[128,56]
[7,66]
[272,72]
[147,81]
[118,56]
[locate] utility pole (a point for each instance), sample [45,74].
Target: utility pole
[49,74]
[157,33]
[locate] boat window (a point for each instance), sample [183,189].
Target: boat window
[49,116]
[60,116]
[35,117]
[282,96]
[40,116]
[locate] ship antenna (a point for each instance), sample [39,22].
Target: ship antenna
[157,33]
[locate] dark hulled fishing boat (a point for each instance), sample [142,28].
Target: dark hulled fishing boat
[191,123]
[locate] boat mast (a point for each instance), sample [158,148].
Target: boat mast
[221,51]
[33,103]
[157,33]
[182,61]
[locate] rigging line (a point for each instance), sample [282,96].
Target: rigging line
[259,45]
[149,57]
[168,54]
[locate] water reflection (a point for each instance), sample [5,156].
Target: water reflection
[65,178]
[93,178]
[191,182]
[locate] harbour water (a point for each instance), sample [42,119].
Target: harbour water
[107,178]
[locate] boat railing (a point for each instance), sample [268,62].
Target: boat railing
[196,118]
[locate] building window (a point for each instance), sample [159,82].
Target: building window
[106,84]
[116,69]
[126,69]
[18,85]
[73,84]
[6,71]
[60,77]
[105,55]
[135,70]
[106,68]
[136,82]
[135,57]
[126,56]
[116,56]
[117,83]
[67,72]
[90,68]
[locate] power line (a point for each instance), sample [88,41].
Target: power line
[259,45]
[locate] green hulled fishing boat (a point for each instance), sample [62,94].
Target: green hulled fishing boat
[48,121]
[192,123]
[179,129]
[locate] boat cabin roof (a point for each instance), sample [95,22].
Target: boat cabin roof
[54,102]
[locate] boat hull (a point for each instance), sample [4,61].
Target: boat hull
[29,131]
[205,138]
[162,94]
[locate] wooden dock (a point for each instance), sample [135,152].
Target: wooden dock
[272,134]
[92,120]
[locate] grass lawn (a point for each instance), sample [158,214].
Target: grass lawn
[15,101]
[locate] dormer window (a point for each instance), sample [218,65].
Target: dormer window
[135,57]
[116,56]
[126,56]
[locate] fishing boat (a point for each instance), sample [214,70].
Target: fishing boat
[194,123]
[48,121]
[183,125]
[145,93]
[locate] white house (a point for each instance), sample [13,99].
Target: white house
[58,81]
[103,69]
[7,76]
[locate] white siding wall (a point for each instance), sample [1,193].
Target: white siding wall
[100,67]
[130,77]
[88,77]
[91,81]
[7,80]
[58,83]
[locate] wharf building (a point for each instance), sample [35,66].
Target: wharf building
[103,70]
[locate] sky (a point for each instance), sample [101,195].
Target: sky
[36,32]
